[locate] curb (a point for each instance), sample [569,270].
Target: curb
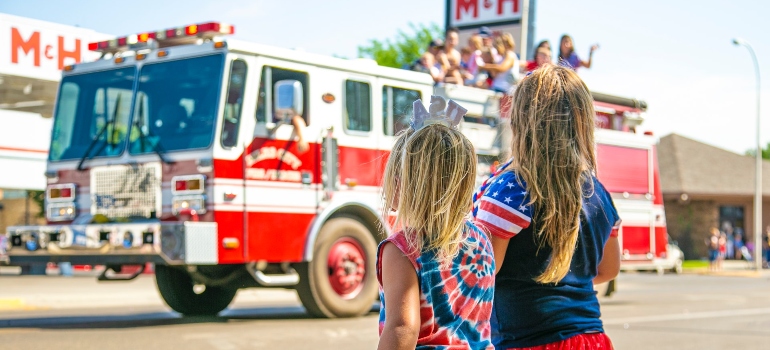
[724,273]
[14,305]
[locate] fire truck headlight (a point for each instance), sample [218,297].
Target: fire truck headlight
[15,240]
[147,237]
[196,203]
[61,211]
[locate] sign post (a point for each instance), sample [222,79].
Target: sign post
[511,16]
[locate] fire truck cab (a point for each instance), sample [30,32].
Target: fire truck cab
[178,148]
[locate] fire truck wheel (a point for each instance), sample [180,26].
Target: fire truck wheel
[340,281]
[183,296]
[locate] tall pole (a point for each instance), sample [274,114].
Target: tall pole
[758,165]
[524,29]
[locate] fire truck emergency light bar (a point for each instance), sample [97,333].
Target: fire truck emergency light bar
[164,38]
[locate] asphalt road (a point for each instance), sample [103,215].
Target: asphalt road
[648,312]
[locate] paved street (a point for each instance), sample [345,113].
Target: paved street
[648,312]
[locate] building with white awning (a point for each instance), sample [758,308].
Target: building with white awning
[32,55]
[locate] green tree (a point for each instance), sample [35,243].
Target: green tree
[765,152]
[39,198]
[405,49]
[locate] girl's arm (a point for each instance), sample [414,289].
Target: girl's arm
[402,293]
[443,60]
[503,66]
[436,74]
[610,264]
[587,64]
[299,129]
[499,245]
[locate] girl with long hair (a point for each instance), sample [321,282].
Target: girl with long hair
[436,271]
[553,224]
[569,58]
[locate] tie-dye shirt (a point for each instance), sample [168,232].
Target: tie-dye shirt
[456,298]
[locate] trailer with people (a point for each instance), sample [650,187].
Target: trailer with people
[233,165]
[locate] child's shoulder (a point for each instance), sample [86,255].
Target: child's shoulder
[399,240]
[475,232]
[476,239]
[507,186]
[508,180]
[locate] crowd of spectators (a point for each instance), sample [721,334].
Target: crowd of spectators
[489,60]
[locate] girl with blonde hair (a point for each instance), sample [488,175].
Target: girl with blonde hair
[436,272]
[553,224]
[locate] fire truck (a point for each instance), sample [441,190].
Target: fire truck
[177,148]
[627,165]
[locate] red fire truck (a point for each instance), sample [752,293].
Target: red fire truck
[175,148]
[628,168]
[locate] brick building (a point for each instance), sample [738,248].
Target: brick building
[705,186]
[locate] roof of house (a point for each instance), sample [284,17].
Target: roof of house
[693,167]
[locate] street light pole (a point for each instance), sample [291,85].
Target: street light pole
[758,158]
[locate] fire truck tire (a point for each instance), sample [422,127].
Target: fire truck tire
[340,281]
[178,291]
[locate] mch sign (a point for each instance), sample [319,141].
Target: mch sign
[37,49]
[475,13]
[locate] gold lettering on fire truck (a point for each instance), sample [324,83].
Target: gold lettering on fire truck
[268,153]
[273,175]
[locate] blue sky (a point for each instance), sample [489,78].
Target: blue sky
[676,55]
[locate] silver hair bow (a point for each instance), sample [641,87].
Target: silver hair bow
[449,114]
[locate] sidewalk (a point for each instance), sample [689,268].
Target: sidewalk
[732,268]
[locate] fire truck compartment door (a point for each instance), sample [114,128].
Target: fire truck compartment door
[625,169]
[636,235]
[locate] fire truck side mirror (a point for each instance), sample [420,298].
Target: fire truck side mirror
[288,99]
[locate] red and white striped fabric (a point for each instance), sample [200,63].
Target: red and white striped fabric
[503,209]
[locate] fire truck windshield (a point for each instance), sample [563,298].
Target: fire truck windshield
[176,105]
[92,114]
[174,108]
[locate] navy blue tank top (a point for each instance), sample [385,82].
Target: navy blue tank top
[527,313]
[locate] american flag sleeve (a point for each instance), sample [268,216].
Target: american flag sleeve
[503,210]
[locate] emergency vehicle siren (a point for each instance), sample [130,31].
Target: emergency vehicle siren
[164,38]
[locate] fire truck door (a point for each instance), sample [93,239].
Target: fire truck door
[280,166]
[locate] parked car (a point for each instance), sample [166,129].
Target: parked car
[674,259]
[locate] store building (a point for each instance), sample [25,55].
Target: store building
[705,186]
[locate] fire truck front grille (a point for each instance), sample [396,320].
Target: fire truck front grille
[126,191]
